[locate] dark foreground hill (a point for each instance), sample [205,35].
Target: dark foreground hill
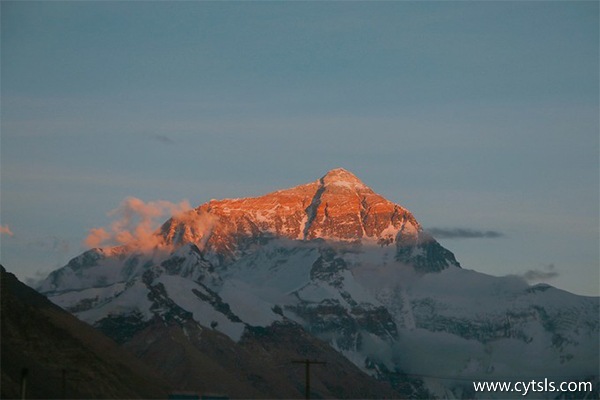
[46,340]
[64,357]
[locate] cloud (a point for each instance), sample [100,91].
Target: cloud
[37,278]
[463,233]
[97,237]
[163,139]
[536,275]
[135,224]
[194,226]
[5,230]
[51,243]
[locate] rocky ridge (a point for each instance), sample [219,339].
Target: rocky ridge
[338,207]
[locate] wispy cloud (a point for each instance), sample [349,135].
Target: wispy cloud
[51,243]
[162,139]
[37,278]
[536,275]
[5,230]
[463,233]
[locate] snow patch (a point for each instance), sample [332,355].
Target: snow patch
[243,302]
[180,290]
[133,299]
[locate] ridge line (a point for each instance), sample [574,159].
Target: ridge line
[311,210]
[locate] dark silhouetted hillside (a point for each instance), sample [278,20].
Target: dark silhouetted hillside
[44,339]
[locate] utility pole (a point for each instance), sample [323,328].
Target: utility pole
[307,364]
[24,373]
[64,383]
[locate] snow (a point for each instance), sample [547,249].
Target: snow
[99,294]
[99,268]
[370,254]
[517,325]
[180,291]
[134,299]
[316,292]
[279,268]
[356,291]
[243,302]
[348,185]
[398,303]
[390,230]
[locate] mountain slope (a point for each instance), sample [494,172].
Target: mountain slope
[337,207]
[335,260]
[39,336]
[259,365]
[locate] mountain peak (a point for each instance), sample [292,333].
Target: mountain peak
[336,207]
[342,177]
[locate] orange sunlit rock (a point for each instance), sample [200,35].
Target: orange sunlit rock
[336,207]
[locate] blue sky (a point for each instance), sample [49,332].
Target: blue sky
[476,116]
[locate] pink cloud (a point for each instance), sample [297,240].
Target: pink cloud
[5,230]
[136,224]
[192,226]
[96,237]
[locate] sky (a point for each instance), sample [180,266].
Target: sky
[481,118]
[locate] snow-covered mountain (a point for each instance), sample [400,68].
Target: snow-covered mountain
[350,268]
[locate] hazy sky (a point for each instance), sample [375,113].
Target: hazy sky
[479,117]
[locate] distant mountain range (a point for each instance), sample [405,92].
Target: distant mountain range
[231,292]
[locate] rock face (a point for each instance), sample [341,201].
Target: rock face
[336,207]
[328,262]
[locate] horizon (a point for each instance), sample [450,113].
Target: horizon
[481,119]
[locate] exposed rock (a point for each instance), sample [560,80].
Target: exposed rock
[336,207]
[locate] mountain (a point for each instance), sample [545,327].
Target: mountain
[44,339]
[326,262]
[337,207]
